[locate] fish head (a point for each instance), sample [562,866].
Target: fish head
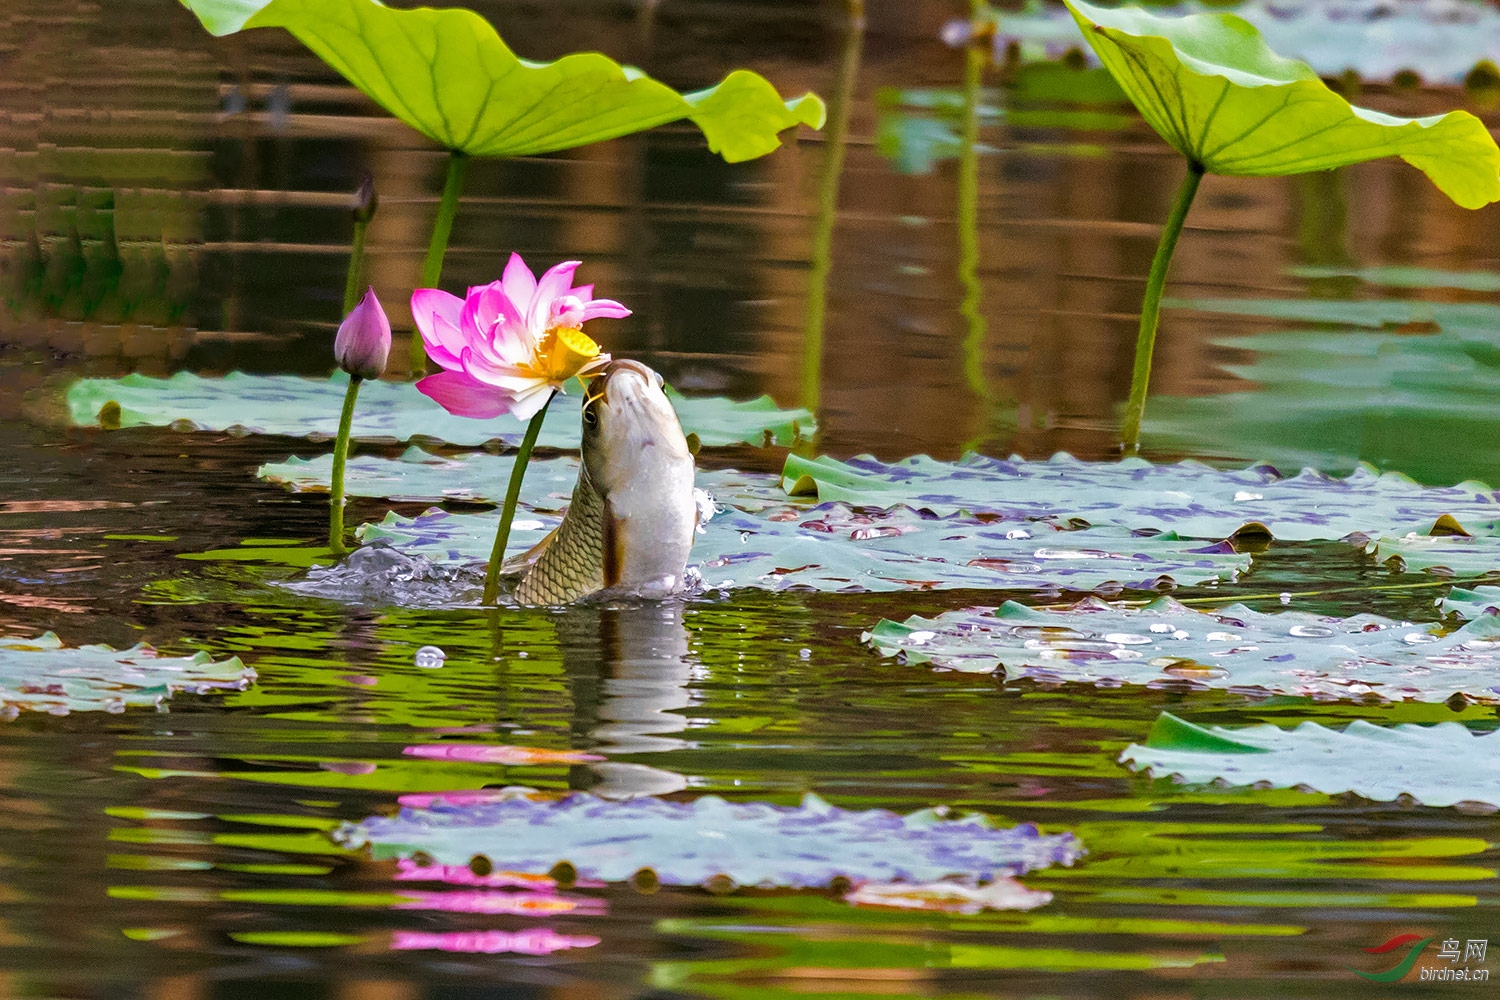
[631,436]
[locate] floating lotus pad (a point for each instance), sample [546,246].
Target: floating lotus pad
[1331,399]
[44,676]
[1448,555]
[1190,498]
[1475,603]
[480,477]
[1167,645]
[1440,765]
[691,843]
[833,548]
[293,406]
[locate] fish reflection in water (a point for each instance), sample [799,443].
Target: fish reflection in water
[628,665]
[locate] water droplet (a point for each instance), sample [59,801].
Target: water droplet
[1126,638]
[1414,638]
[1310,631]
[1160,627]
[1223,637]
[1286,598]
[805,653]
[522,655]
[1180,634]
[1016,533]
[430,657]
[917,638]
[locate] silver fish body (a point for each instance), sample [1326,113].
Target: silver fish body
[633,515]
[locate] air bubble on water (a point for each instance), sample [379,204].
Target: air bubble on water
[1016,533]
[522,655]
[1285,598]
[805,653]
[1310,631]
[430,657]
[744,537]
[1223,637]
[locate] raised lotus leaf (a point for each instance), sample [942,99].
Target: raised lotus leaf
[1168,645]
[691,843]
[447,74]
[42,675]
[834,548]
[1214,90]
[1442,765]
[293,406]
[1190,498]
[1439,39]
[1471,602]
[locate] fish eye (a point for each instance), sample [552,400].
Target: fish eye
[660,382]
[589,416]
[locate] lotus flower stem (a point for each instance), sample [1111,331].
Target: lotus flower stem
[442,228]
[512,497]
[340,458]
[1145,342]
[356,266]
[828,204]
[968,228]
[363,210]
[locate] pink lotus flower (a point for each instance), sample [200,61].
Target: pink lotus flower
[363,342]
[506,346]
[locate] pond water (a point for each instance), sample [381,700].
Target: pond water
[172,202]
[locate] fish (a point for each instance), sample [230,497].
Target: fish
[631,522]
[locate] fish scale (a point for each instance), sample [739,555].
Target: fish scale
[572,565]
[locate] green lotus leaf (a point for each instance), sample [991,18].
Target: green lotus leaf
[689,843]
[1168,645]
[42,675]
[1444,555]
[447,74]
[1471,603]
[479,477]
[1440,765]
[833,549]
[1214,90]
[293,406]
[1190,498]
[1331,399]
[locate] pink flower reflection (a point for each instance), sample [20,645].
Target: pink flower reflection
[536,941]
[481,753]
[426,800]
[521,904]
[408,870]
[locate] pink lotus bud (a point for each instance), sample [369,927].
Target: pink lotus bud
[567,310]
[364,339]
